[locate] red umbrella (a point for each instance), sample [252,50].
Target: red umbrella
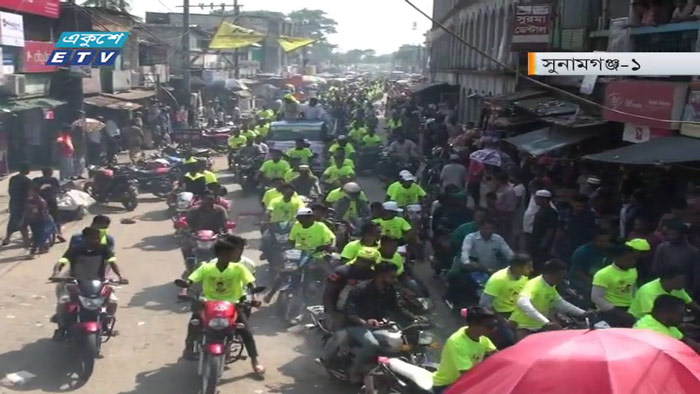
[609,361]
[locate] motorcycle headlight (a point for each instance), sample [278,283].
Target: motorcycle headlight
[218,323]
[91,303]
[205,245]
[282,238]
[425,338]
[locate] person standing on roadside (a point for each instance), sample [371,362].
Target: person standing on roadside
[48,190]
[134,140]
[65,153]
[18,191]
[79,146]
[544,228]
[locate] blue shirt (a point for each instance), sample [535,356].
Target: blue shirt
[77,241]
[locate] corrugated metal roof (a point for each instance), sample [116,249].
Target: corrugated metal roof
[23,105]
[132,95]
[111,103]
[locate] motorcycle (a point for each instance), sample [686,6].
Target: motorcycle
[246,169]
[413,342]
[107,184]
[368,158]
[85,322]
[412,290]
[218,342]
[396,375]
[157,181]
[277,235]
[302,278]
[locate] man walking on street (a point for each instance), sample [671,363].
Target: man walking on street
[65,153]
[79,146]
[133,136]
[18,191]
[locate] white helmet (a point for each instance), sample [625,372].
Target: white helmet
[351,187]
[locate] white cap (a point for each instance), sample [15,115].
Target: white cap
[351,187]
[305,212]
[408,177]
[392,206]
[543,193]
[593,180]
[304,167]
[342,137]
[404,173]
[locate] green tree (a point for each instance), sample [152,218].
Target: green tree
[114,4]
[313,23]
[408,55]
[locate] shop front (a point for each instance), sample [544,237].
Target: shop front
[648,109]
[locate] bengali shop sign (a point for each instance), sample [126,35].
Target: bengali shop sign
[645,103]
[691,112]
[49,8]
[532,27]
[34,56]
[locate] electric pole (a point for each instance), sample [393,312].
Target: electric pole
[186,49]
[236,67]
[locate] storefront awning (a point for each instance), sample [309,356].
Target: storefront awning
[23,105]
[547,106]
[110,103]
[132,95]
[545,140]
[664,150]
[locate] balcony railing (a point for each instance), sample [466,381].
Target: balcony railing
[670,37]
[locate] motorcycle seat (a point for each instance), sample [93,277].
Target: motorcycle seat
[421,377]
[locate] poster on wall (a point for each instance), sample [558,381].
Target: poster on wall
[11,29]
[35,55]
[48,8]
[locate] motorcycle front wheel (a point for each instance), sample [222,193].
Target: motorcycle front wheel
[131,199]
[88,354]
[211,374]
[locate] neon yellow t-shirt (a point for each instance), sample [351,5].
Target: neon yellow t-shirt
[210,177]
[304,155]
[460,354]
[357,133]
[405,196]
[504,290]
[351,248]
[649,323]
[249,134]
[308,239]
[395,227]
[273,170]
[270,195]
[228,285]
[284,211]
[643,300]
[333,173]
[349,149]
[371,140]
[237,142]
[396,259]
[263,129]
[541,296]
[338,193]
[618,284]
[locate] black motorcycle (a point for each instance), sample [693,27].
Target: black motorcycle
[112,184]
[246,169]
[157,181]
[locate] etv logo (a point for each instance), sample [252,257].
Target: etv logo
[89,48]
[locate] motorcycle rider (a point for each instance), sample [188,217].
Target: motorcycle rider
[273,192]
[368,304]
[208,215]
[226,279]
[87,260]
[236,140]
[349,203]
[293,171]
[371,139]
[300,151]
[394,225]
[343,144]
[465,348]
[369,235]
[405,191]
[285,208]
[538,301]
[307,184]
[357,131]
[340,168]
[403,150]
[273,168]
[502,291]
[194,181]
[100,222]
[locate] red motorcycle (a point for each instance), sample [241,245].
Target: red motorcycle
[218,344]
[85,321]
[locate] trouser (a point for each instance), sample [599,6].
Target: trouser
[245,333]
[369,347]
[65,167]
[78,165]
[16,221]
[474,190]
[330,348]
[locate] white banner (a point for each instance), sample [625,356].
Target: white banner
[11,29]
[613,63]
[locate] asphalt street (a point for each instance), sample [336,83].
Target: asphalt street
[145,357]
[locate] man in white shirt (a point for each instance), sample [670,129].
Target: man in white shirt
[453,173]
[312,111]
[486,250]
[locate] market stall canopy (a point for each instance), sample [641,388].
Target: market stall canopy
[664,150]
[23,105]
[545,140]
[132,95]
[110,103]
[547,106]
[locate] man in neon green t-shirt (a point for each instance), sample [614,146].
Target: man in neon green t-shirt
[467,347]
[405,191]
[665,318]
[671,282]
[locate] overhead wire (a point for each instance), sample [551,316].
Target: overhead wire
[540,83]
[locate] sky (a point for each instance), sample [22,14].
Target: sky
[382,25]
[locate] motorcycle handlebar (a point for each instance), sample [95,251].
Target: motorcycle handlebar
[74,280]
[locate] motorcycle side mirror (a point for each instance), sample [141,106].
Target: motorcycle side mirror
[181,283]
[257,290]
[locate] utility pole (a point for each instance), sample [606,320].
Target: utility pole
[236,67]
[186,49]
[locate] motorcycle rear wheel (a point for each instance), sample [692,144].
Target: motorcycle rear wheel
[131,200]
[88,353]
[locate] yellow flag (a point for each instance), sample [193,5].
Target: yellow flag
[289,44]
[230,36]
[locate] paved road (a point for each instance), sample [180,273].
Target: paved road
[145,357]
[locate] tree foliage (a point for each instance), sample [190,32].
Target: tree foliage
[122,5]
[313,23]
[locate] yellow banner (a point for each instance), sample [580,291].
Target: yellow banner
[289,44]
[230,36]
